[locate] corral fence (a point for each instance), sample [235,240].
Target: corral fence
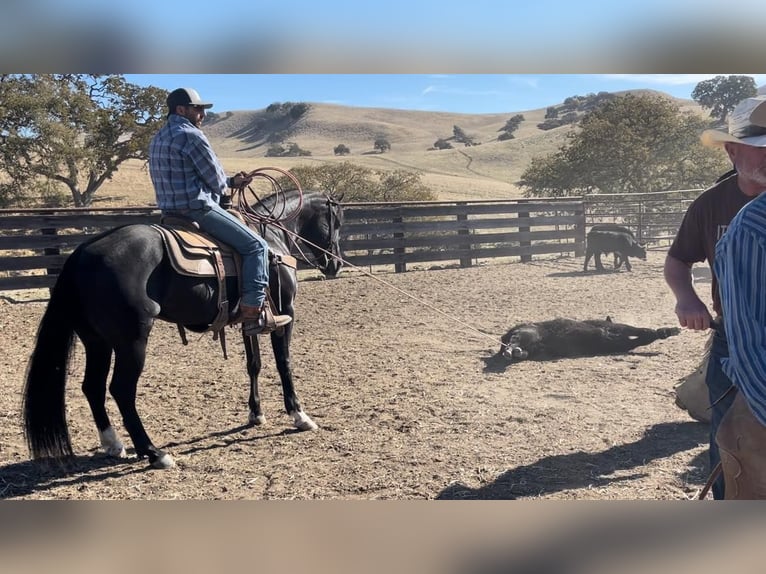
[653,217]
[34,243]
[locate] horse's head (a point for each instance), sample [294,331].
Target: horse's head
[321,233]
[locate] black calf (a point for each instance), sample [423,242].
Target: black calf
[559,338]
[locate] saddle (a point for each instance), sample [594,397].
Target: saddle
[194,253]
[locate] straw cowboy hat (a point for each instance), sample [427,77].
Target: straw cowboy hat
[747,125]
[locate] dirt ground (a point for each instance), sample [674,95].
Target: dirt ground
[391,368]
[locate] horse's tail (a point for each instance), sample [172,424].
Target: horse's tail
[44,409]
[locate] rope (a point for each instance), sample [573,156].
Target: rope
[395,288]
[268,215]
[424,303]
[276,216]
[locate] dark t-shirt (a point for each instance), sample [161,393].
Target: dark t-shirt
[703,225]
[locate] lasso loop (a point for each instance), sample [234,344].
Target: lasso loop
[245,199]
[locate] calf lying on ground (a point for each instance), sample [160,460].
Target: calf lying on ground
[612,238]
[559,338]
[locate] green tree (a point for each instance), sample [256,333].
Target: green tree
[402,185]
[335,178]
[358,183]
[381,144]
[722,93]
[292,150]
[460,136]
[71,129]
[341,149]
[632,143]
[510,126]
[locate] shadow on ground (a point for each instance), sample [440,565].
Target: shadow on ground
[585,470]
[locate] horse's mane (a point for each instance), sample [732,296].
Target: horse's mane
[287,201]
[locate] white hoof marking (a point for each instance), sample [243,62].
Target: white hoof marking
[110,444]
[164,462]
[257,420]
[303,422]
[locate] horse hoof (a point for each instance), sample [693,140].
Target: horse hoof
[256,420]
[163,462]
[303,422]
[111,445]
[116,452]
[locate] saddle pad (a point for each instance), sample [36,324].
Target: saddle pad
[192,253]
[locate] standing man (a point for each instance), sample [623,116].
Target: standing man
[189,181]
[741,267]
[703,225]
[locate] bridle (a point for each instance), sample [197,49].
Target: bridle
[333,248]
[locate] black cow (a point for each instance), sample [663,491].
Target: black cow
[559,338]
[612,238]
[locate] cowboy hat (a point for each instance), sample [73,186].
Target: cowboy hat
[747,125]
[758,115]
[186,97]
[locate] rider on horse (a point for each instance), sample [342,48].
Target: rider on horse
[189,181]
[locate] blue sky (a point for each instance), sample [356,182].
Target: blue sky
[457,93]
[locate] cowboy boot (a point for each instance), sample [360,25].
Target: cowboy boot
[261,320]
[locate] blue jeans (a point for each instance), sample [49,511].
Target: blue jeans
[254,250]
[718,384]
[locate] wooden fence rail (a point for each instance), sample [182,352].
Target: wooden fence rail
[35,243]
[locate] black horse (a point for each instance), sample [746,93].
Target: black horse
[113,287]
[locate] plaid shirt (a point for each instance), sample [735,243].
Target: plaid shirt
[185,171]
[740,264]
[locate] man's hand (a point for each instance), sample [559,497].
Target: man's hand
[240,180]
[693,315]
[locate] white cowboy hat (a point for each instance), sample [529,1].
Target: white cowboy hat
[747,125]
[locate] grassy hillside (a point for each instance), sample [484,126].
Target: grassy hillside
[486,171]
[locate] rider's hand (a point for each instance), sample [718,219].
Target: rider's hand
[240,180]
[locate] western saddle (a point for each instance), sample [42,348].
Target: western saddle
[194,253]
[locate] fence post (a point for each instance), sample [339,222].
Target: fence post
[580,229]
[400,266]
[465,260]
[51,250]
[524,215]
[640,221]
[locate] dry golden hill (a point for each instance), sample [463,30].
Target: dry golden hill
[486,171]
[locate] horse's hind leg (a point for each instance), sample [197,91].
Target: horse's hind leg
[98,357]
[128,365]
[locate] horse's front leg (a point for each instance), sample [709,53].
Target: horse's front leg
[280,343]
[253,359]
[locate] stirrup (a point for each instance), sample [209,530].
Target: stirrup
[266,323]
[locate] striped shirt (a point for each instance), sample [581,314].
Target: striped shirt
[740,264]
[185,171]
